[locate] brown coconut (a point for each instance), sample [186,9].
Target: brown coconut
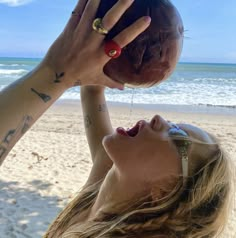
[153,55]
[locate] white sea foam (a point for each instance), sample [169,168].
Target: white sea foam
[190,85]
[12,71]
[12,65]
[179,96]
[2,87]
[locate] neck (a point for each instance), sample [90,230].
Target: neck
[115,191]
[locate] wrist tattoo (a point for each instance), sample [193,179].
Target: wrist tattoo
[102,107]
[58,77]
[43,96]
[87,121]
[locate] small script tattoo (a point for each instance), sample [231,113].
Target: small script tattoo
[12,136]
[78,83]
[27,122]
[58,77]
[43,96]
[102,107]
[2,151]
[87,121]
[8,137]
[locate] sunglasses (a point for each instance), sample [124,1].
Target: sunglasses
[182,145]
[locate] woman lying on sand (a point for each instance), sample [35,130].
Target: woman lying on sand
[157,179]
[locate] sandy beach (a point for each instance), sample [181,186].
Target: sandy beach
[52,161]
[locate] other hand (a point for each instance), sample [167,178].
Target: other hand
[77,56]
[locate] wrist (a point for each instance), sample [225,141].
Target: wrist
[53,78]
[88,92]
[92,89]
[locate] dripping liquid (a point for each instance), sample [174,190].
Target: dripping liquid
[131,103]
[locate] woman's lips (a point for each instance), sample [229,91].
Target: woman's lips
[121,131]
[131,132]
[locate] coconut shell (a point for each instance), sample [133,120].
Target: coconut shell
[153,55]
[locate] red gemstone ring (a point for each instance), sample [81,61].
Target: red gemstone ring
[112,49]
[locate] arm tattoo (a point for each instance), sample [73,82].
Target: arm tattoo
[78,83]
[102,107]
[58,77]
[27,122]
[43,96]
[12,136]
[8,137]
[87,121]
[2,151]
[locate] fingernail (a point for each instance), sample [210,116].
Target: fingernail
[147,19]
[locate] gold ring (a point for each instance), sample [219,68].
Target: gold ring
[98,27]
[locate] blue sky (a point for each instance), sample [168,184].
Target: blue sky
[28,28]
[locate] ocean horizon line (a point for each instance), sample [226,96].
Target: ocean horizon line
[180,62]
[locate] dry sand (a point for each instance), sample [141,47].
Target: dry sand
[51,162]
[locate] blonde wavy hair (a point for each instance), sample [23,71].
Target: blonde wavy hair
[197,207]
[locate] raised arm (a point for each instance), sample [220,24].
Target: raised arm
[76,58]
[23,102]
[97,124]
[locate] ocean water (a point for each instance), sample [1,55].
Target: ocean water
[190,84]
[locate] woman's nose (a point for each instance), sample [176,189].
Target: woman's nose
[156,122]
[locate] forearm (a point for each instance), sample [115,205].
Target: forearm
[23,102]
[96,117]
[97,125]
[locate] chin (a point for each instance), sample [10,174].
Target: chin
[113,148]
[107,143]
[106,140]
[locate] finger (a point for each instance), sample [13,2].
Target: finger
[76,14]
[131,32]
[80,6]
[115,13]
[85,24]
[113,16]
